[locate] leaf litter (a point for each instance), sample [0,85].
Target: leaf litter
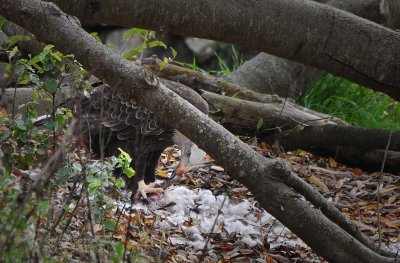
[209,217]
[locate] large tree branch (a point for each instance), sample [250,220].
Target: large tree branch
[273,75]
[325,37]
[264,177]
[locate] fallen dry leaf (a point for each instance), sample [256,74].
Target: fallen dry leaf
[315,180]
[391,199]
[357,171]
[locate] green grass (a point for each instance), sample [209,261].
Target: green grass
[351,102]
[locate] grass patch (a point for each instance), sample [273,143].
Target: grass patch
[351,102]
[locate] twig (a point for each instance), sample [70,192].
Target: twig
[201,257]
[118,218]
[72,214]
[269,230]
[68,201]
[378,213]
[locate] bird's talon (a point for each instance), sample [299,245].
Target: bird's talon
[143,189]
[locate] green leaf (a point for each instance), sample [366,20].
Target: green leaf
[128,171]
[20,124]
[57,55]
[135,51]
[17,38]
[24,80]
[110,225]
[13,52]
[260,123]
[96,36]
[36,59]
[119,248]
[66,208]
[135,31]
[124,158]
[119,182]
[2,21]
[125,161]
[157,43]
[50,85]
[174,52]
[48,48]
[77,166]
[95,185]
[35,95]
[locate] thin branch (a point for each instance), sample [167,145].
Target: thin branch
[378,213]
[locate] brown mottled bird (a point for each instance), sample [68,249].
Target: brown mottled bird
[110,120]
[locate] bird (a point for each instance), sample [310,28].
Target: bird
[108,120]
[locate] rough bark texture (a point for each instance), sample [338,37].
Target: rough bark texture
[32,46]
[241,116]
[266,103]
[273,75]
[325,37]
[265,178]
[390,9]
[368,9]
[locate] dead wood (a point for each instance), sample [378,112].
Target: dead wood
[353,146]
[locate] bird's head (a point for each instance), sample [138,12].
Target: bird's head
[191,154]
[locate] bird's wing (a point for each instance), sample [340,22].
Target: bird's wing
[120,114]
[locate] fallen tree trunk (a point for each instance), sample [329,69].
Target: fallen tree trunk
[241,116]
[265,178]
[202,81]
[350,145]
[353,146]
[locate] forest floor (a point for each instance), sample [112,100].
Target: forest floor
[208,217]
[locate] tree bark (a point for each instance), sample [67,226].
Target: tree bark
[326,38]
[273,75]
[265,178]
[32,46]
[368,9]
[241,116]
[390,9]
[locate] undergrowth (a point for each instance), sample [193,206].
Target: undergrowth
[52,207]
[351,102]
